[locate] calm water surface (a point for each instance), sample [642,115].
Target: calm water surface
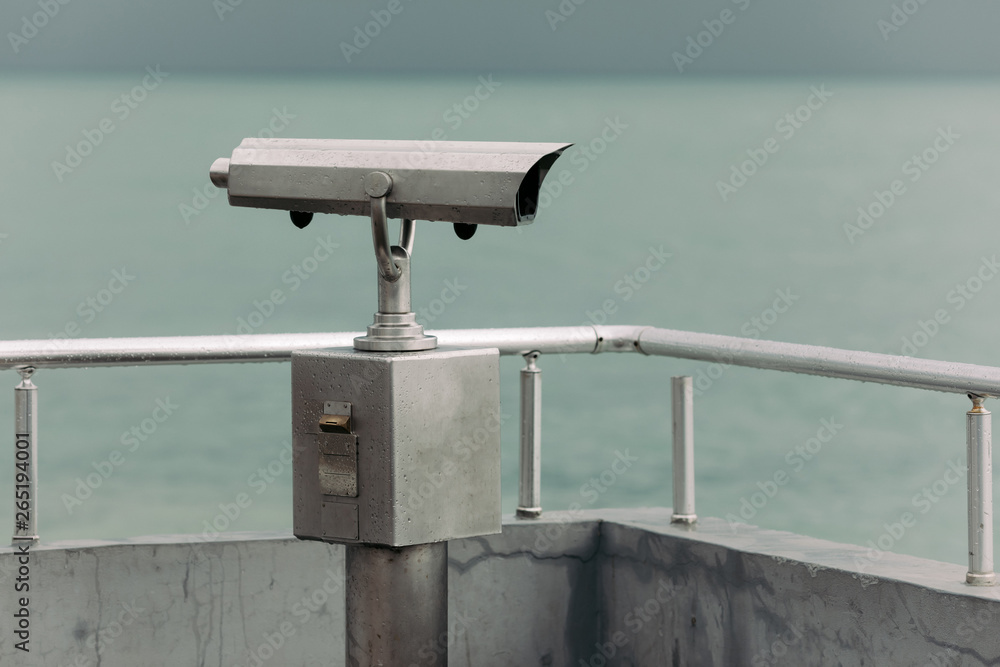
[128,240]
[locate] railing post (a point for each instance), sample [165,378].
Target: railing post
[979,459]
[25,458]
[529,499]
[682,397]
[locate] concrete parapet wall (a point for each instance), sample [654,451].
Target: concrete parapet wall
[609,587]
[718,597]
[242,600]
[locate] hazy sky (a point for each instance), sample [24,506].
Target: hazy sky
[642,36]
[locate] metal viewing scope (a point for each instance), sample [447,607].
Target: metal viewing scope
[467,183]
[383,434]
[470,182]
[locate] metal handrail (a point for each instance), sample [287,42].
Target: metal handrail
[727,350]
[976,381]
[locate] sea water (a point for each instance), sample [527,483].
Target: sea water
[859,214]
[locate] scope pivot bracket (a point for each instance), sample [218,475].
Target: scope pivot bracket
[395,328]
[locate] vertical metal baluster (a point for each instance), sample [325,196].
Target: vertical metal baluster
[979,459]
[25,459]
[682,398]
[529,505]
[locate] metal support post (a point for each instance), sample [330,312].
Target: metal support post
[682,397]
[529,499]
[25,459]
[397,605]
[979,459]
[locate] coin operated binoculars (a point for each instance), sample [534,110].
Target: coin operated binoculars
[396,442]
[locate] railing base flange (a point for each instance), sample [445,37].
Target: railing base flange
[981,579]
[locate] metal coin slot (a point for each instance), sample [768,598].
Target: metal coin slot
[335,423]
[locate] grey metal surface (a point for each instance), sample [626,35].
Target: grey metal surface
[25,459]
[428,445]
[260,348]
[407,230]
[218,173]
[380,224]
[378,184]
[529,503]
[395,328]
[979,460]
[392,332]
[825,361]
[943,376]
[553,592]
[493,183]
[397,605]
[394,295]
[164,350]
[682,410]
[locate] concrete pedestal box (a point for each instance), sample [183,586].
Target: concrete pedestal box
[397,448]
